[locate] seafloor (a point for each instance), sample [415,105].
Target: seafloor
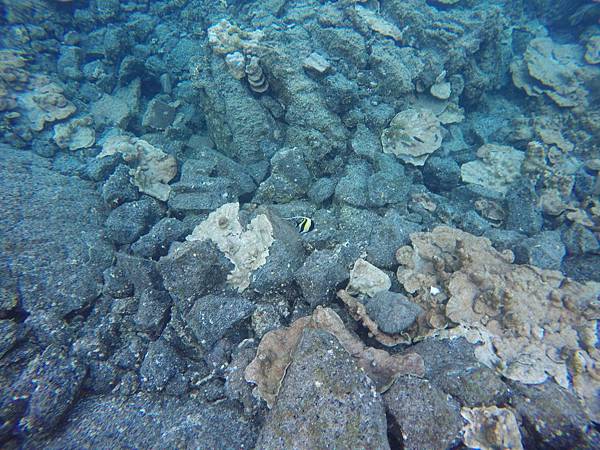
[300,224]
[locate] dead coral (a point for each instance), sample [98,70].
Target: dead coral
[540,323]
[491,428]
[497,167]
[153,168]
[276,352]
[557,71]
[246,249]
[13,77]
[44,102]
[366,279]
[75,134]
[412,135]
[225,37]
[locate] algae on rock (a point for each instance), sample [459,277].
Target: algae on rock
[246,249]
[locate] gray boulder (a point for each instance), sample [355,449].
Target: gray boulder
[193,270]
[213,316]
[161,235]
[421,415]
[392,312]
[147,421]
[127,222]
[325,401]
[523,211]
[320,275]
[544,250]
[52,235]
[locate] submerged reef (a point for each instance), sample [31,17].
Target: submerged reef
[300,224]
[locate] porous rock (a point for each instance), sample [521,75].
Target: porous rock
[324,386]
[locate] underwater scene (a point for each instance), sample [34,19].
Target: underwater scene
[300,224]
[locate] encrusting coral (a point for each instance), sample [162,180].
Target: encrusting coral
[153,168]
[557,71]
[276,352]
[412,135]
[497,167]
[44,102]
[13,77]
[75,134]
[535,324]
[490,428]
[246,249]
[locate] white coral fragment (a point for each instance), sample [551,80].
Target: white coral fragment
[247,250]
[491,428]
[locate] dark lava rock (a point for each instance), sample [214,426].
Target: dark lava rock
[320,276]
[450,364]
[387,236]
[152,313]
[579,240]
[523,212]
[325,401]
[52,234]
[8,336]
[141,273]
[102,377]
[159,114]
[504,239]
[544,250]
[552,418]
[213,316]
[365,143]
[392,312]
[473,223]
[340,93]
[205,194]
[156,243]
[421,415]
[322,190]
[212,163]
[441,174]
[386,188]
[118,188]
[145,421]
[97,169]
[116,284]
[286,255]
[289,180]
[582,268]
[161,365]
[49,387]
[126,223]
[352,187]
[193,269]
